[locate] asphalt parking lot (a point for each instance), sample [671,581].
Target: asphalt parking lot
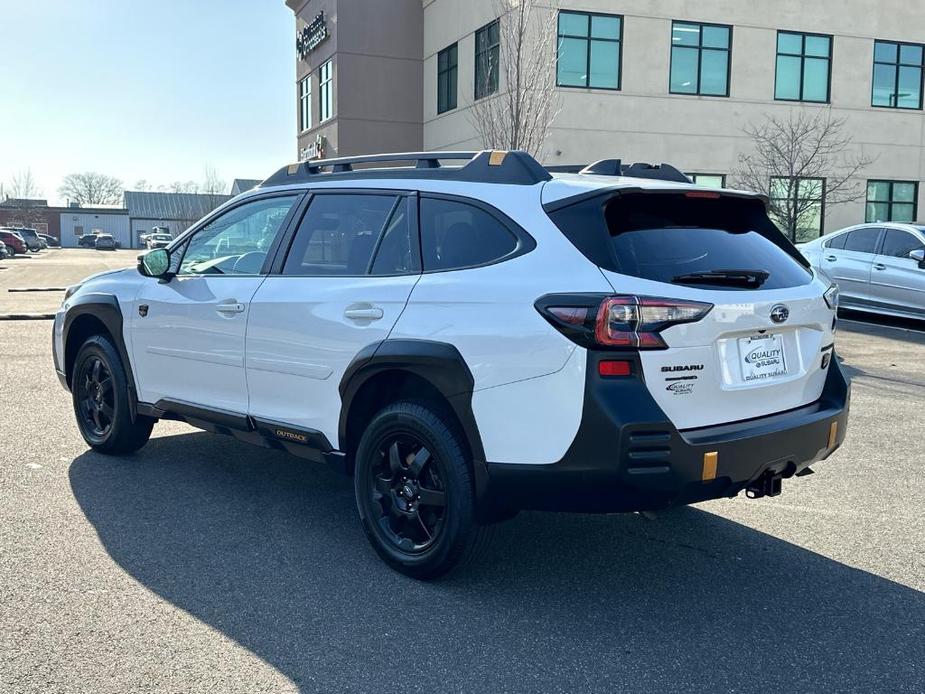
[201,563]
[52,268]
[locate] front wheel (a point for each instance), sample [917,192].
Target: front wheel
[414,492]
[99,388]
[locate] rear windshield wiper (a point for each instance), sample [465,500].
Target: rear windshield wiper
[729,278]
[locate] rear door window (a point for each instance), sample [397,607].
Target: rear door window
[863,240]
[341,233]
[899,244]
[457,235]
[706,242]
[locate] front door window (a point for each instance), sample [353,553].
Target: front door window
[236,243]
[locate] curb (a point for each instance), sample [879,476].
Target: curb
[27,316]
[36,289]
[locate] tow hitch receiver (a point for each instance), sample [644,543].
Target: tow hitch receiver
[768,484]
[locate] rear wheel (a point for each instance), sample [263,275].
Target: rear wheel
[414,492]
[99,389]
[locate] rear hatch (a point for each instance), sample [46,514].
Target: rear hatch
[759,344]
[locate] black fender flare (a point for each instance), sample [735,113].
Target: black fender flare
[441,365]
[105,308]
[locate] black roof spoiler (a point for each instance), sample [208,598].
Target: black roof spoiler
[489,166]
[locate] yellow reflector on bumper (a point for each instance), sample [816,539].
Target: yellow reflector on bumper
[833,433]
[709,466]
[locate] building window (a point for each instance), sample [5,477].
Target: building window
[487,57]
[589,50]
[708,180]
[897,79]
[892,201]
[305,103]
[325,91]
[797,206]
[700,59]
[446,78]
[804,67]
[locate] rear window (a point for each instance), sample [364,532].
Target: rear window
[711,243]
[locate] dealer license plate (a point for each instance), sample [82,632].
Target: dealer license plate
[762,357]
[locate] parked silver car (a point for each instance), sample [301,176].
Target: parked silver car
[879,267]
[158,241]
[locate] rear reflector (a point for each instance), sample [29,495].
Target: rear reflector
[710,461]
[614,368]
[701,194]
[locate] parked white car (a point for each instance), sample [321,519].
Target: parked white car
[878,267]
[472,340]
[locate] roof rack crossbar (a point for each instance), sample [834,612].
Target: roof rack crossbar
[511,167]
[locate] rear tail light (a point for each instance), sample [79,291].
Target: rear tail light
[618,322]
[831,297]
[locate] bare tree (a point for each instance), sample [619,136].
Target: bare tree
[803,161]
[184,187]
[213,186]
[520,111]
[91,188]
[142,185]
[23,185]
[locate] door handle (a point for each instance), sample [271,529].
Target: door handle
[370,313]
[831,258]
[879,266]
[230,308]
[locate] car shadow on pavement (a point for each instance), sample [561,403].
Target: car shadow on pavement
[267,550]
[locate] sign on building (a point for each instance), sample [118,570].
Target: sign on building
[311,36]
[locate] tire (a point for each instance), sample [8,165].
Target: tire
[414,492]
[99,390]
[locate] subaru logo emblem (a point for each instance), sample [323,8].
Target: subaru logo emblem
[780,313]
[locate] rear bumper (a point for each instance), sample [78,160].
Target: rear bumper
[627,456]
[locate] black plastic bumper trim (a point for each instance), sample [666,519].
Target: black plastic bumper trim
[627,456]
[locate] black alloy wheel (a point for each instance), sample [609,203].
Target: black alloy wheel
[95,397]
[100,394]
[414,490]
[406,493]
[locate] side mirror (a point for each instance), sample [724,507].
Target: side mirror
[154,263]
[918,255]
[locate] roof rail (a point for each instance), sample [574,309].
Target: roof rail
[615,167]
[488,166]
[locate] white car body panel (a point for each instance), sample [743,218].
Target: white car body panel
[718,394]
[548,414]
[301,339]
[190,345]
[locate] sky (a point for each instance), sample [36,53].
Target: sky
[146,89]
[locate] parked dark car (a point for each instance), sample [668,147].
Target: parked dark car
[106,242]
[14,242]
[87,241]
[30,236]
[50,240]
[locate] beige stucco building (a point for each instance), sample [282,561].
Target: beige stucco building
[661,80]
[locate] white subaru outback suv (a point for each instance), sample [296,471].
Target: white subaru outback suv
[472,335]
